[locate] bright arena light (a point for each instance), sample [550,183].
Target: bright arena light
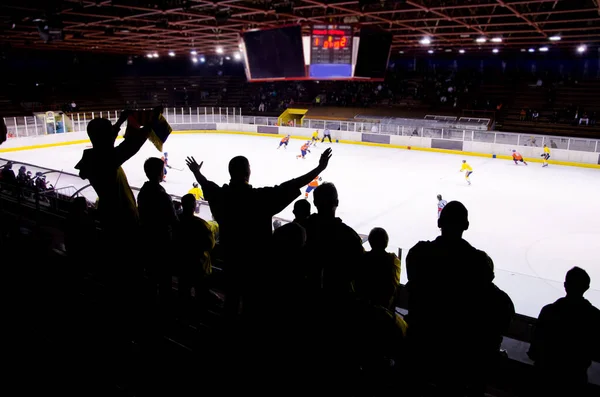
[481,39]
[495,51]
[581,49]
[543,49]
[194,59]
[497,40]
[219,50]
[193,52]
[425,41]
[228,58]
[461,51]
[531,50]
[237,56]
[171,54]
[149,55]
[554,38]
[430,51]
[202,59]
[155,55]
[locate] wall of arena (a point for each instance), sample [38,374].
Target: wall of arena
[469,148]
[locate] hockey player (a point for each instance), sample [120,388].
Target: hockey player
[546,155]
[469,170]
[303,150]
[315,138]
[441,204]
[312,186]
[517,157]
[284,142]
[165,159]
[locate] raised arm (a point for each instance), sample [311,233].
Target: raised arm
[207,186]
[308,177]
[132,144]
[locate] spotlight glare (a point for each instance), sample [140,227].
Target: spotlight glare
[543,49]
[555,38]
[430,51]
[531,50]
[219,50]
[481,40]
[149,56]
[425,41]
[495,50]
[171,54]
[237,56]
[497,40]
[194,59]
[193,52]
[202,59]
[581,49]
[461,51]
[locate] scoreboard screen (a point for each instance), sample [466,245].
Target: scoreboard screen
[331,44]
[331,51]
[327,52]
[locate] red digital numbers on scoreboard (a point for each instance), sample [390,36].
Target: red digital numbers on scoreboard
[331,44]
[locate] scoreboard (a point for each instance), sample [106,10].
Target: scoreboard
[331,44]
[327,52]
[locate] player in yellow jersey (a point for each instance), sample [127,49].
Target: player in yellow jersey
[198,195]
[315,138]
[546,155]
[469,170]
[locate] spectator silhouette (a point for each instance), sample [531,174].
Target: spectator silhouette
[194,241]
[336,249]
[566,340]
[158,219]
[244,215]
[450,300]
[378,275]
[8,175]
[301,212]
[3,131]
[101,165]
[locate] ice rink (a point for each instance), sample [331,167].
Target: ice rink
[534,222]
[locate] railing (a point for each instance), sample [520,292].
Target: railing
[30,126]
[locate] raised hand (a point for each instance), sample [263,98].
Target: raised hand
[193,165]
[325,157]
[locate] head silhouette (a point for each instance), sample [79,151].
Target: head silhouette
[154,169]
[454,219]
[326,199]
[239,169]
[188,204]
[79,206]
[101,133]
[439,196]
[378,239]
[301,209]
[577,282]
[290,237]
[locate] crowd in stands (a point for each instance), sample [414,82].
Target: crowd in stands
[307,308]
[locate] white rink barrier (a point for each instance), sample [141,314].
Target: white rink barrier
[564,150]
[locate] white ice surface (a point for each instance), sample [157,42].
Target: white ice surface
[535,223]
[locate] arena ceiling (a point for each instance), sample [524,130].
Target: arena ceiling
[139,27]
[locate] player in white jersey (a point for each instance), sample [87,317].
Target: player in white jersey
[441,204]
